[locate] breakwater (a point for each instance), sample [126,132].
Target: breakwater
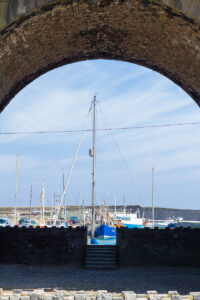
[173,247]
[42,246]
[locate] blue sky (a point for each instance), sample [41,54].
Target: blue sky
[129,95]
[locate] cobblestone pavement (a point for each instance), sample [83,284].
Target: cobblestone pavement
[138,279]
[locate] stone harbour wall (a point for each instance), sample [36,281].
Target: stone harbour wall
[53,294]
[173,247]
[42,246]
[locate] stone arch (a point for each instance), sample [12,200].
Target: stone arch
[145,32]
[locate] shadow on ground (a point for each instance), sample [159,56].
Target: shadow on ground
[138,279]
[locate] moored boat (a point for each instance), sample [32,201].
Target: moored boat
[130,220]
[105,232]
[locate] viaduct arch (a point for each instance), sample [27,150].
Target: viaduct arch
[39,35]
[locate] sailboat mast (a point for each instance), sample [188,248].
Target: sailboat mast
[30,205]
[16,189]
[43,218]
[94,167]
[153,198]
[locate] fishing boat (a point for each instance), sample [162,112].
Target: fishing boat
[105,231]
[130,220]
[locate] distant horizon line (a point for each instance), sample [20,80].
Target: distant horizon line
[97,206]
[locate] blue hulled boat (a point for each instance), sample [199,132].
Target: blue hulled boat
[104,231]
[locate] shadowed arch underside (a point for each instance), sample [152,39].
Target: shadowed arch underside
[138,31]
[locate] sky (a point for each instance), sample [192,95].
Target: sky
[128,95]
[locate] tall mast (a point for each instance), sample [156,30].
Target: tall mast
[30,205]
[153,198]
[94,166]
[16,189]
[64,195]
[43,220]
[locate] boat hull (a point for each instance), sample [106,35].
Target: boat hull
[105,232]
[133,225]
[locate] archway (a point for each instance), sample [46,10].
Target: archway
[61,32]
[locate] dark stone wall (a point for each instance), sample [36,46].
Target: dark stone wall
[173,247]
[42,246]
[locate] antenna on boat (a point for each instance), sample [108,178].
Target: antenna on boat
[93,155]
[153,198]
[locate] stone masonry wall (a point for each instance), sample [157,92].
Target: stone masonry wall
[12,9]
[175,247]
[42,246]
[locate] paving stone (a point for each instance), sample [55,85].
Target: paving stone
[102,296]
[14,297]
[47,297]
[36,296]
[25,298]
[58,297]
[117,298]
[129,295]
[69,297]
[152,292]
[60,292]
[176,297]
[79,297]
[90,298]
[17,291]
[170,293]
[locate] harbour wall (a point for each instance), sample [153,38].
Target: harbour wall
[135,247]
[171,247]
[42,246]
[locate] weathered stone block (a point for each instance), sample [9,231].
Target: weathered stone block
[170,293]
[104,296]
[117,298]
[152,292]
[17,291]
[14,297]
[129,295]
[176,297]
[58,297]
[36,296]
[68,297]
[47,297]
[79,297]
[90,298]
[25,298]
